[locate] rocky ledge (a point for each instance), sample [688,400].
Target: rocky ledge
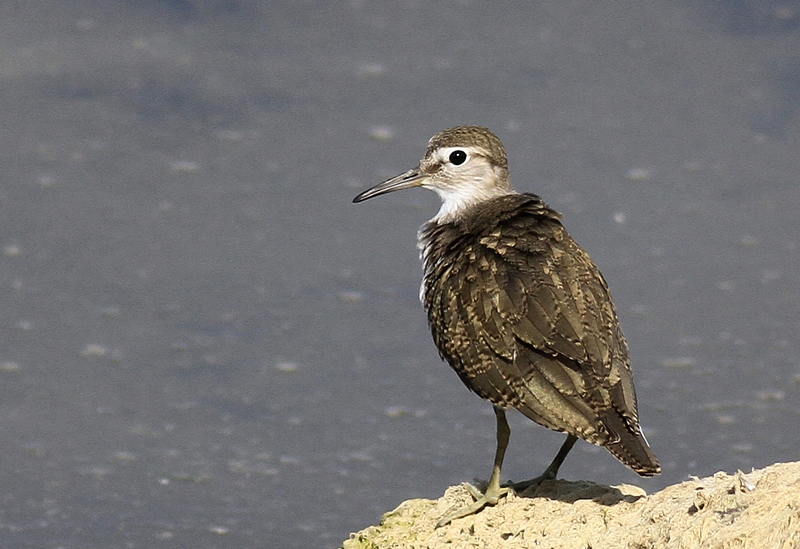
[760,509]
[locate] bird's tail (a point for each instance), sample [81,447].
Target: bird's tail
[631,448]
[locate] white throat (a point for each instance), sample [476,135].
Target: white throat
[467,190]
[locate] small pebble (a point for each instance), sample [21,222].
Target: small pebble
[679,362]
[8,366]
[94,349]
[748,241]
[381,133]
[184,166]
[287,367]
[638,174]
[770,396]
[351,296]
[12,250]
[370,69]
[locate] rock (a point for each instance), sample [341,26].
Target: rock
[756,510]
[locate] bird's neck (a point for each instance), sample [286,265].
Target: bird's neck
[460,199]
[443,231]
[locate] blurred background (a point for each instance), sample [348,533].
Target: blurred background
[204,343]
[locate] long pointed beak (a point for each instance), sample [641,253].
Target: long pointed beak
[411,178]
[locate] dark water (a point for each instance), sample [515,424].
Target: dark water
[205,344]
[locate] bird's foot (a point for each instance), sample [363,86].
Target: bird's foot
[490,497]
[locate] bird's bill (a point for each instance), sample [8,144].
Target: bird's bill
[411,178]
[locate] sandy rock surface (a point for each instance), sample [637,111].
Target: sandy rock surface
[760,509]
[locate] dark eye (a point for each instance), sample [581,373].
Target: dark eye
[458,157]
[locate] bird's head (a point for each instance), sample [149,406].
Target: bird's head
[466,166]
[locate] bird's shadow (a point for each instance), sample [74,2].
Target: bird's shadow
[570,491]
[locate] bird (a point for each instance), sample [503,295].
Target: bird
[519,310]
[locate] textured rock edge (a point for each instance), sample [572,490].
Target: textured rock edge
[760,509]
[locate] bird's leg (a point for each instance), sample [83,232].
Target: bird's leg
[551,471]
[494,491]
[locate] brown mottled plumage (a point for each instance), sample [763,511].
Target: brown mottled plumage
[518,309]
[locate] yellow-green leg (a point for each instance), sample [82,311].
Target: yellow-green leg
[551,471]
[494,491]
